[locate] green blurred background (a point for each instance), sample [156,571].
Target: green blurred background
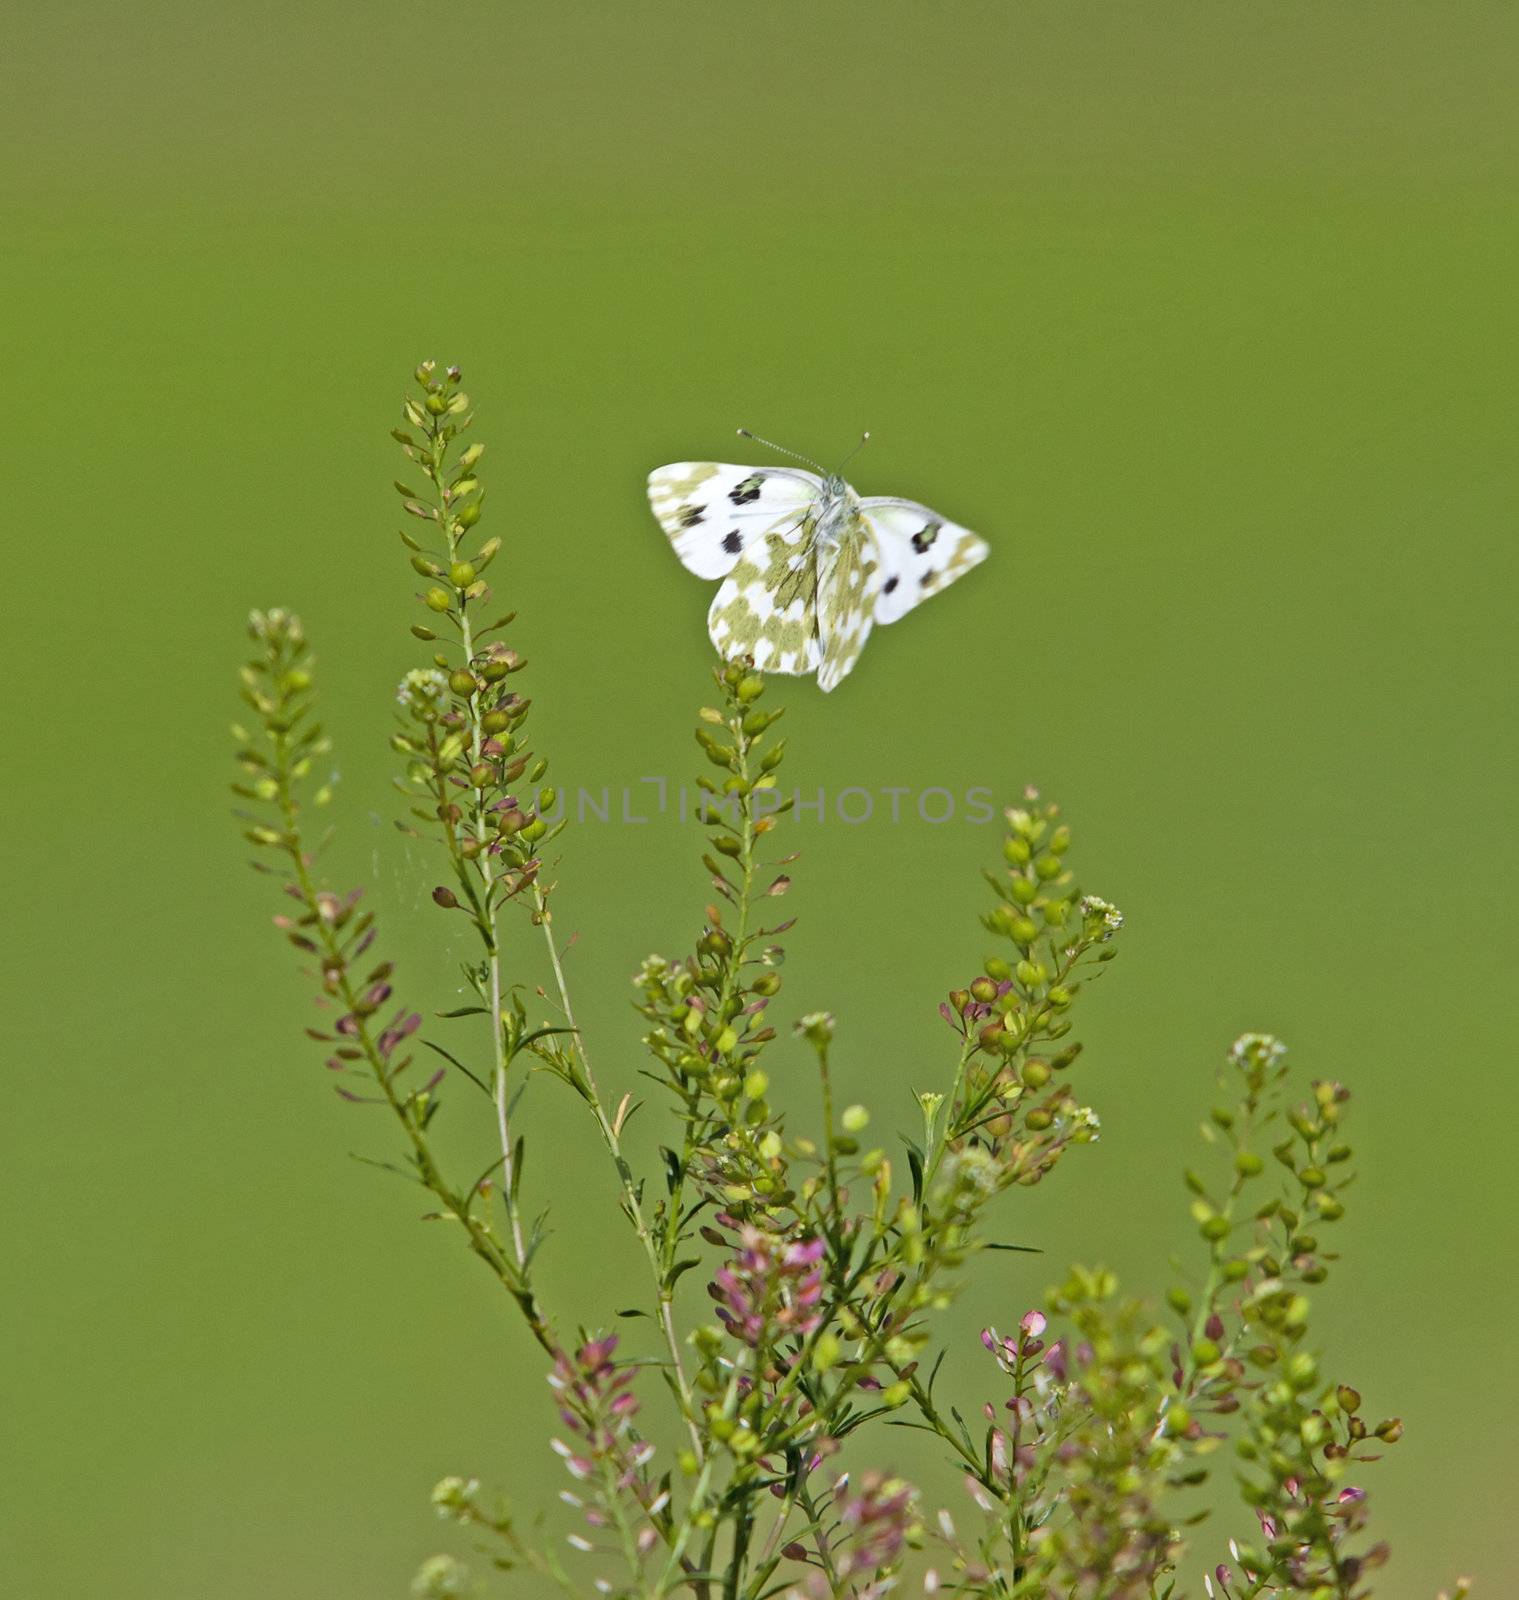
[1203,314]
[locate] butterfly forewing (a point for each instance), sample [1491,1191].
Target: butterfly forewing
[711,509]
[920,553]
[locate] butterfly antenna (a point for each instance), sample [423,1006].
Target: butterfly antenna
[864,440]
[806,461]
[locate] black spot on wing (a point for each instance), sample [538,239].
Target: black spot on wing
[743,494]
[732,543]
[925,536]
[890,584]
[689,516]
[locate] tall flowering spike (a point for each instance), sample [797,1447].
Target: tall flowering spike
[605,1454]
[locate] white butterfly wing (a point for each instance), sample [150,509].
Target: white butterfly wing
[849,593]
[711,510]
[920,553]
[767,606]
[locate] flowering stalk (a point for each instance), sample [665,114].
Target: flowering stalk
[277,761]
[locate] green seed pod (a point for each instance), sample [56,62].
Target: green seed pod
[998,970]
[461,574]
[1025,930]
[495,722]
[1038,1119]
[1047,867]
[438,599]
[462,683]
[984,990]
[1036,1073]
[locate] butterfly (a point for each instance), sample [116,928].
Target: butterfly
[808,567]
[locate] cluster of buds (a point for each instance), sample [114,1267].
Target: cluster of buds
[462,729]
[1014,1116]
[771,1290]
[707,1013]
[876,1523]
[1013,1448]
[331,929]
[1052,927]
[606,1456]
[1115,1449]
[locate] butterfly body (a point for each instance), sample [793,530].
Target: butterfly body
[807,565]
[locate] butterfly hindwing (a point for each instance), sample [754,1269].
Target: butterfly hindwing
[848,593]
[767,607]
[920,553]
[711,509]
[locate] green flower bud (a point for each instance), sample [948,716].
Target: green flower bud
[1047,867]
[826,1352]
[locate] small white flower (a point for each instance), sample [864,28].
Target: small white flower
[1094,908]
[422,684]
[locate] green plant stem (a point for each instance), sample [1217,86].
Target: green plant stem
[632,1202]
